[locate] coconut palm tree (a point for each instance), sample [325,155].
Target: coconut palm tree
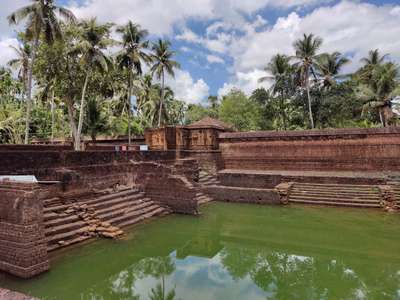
[281,73]
[381,91]
[306,55]
[373,59]
[94,38]
[163,63]
[42,18]
[21,63]
[131,58]
[329,67]
[96,120]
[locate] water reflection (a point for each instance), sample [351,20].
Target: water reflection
[155,268]
[236,252]
[223,264]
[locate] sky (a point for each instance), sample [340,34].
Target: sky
[225,44]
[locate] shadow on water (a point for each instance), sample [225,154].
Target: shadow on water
[235,251]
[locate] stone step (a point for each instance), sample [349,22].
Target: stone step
[51,202]
[115,201]
[327,198]
[336,188]
[204,201]
[129,216]
[75,240]
[48,216]
[63,228]
[335,185]
[65,236]
[57,208]
[339,194]
[111,196]
[159,211]
[101,200]
[335,203]
[108,215]
[120,207]
[61,220]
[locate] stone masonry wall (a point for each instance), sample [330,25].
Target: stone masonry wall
[23,250]
[172,186]
[314,150]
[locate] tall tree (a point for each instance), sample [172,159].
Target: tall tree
[306,54]
[21,63]
[42,18]
[163,63]
[281,73]
[94,38]
[373,59]
[382,89]
[131,58]
[329,68]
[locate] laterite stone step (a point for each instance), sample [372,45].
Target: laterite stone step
[109,215]
[334,203]
[132,214]
[160,211]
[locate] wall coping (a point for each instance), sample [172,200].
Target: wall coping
[298,134]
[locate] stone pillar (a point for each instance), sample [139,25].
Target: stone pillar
[23,247]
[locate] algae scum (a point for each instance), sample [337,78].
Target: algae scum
[234,251]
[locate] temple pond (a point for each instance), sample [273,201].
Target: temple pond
[234,251]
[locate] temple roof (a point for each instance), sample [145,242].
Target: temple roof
[213,123]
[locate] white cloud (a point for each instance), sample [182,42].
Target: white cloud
[184,49]
[160,16]
[188,35]
[187,89]
[215,59]
[7,53]
[7,32]
[352,28]
[348,27]
[245,81]
[7,7]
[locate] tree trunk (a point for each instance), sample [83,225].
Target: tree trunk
[81,114]
[283,113]
[52,116]
[29,91]
[71,119]
[129,108]
[309,99]
[162,98]
[381,117]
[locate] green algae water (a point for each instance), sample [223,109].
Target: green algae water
[234,251]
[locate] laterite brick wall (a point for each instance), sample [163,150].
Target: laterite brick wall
[314,150]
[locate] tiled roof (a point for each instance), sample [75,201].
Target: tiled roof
[211,122]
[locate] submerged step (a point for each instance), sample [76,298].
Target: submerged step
[333,203]
[339,200]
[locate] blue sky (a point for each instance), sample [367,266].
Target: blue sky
[222,44]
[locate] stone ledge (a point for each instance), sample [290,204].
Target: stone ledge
[243,195]
[25,272]
[10,295]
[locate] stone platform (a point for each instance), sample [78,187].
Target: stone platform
[270,179]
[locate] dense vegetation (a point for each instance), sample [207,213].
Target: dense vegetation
[73,79]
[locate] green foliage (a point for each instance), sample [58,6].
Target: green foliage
[196,112]
[71,64]
[12,123]
[237,109]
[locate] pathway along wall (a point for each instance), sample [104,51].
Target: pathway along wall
[313,150]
